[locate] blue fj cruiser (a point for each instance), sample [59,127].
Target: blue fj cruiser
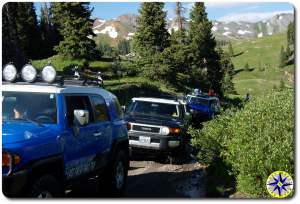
[55,134]
[202,107]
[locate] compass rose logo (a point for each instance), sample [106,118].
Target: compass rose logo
[280,184]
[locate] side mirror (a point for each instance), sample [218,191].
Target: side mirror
[81,117]
[123,108]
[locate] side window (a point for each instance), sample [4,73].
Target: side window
[77,102]
[100,109]
[119,110]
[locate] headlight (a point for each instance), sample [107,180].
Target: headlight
[28,73]
[165,131]
[9,72]
[48,73]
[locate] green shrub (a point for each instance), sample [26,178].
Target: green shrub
[255,141]
[209,140]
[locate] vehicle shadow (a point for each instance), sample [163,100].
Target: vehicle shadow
[155,185]
[164,184]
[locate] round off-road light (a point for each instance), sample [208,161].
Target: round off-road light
[9,72]
[48,73]
[165,131]
[28,73]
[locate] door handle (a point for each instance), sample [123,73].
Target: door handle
[97,134]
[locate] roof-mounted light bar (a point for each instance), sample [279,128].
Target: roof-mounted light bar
[49,74]
[9,72]
[28,73]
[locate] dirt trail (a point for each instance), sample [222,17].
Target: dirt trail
[154,179]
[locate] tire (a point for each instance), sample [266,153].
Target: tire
[115,177]
[45,187]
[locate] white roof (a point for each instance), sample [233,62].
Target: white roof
[156,100]
[55,89]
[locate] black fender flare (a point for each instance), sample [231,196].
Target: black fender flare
[53,165]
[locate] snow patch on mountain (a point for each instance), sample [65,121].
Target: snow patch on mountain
[111,31]
[243,32]
[226,28]
[214,28]
[98,23]
[226,33]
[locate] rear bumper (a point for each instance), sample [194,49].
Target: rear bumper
[14,185]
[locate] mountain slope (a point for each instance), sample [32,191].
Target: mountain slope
[262,55]
[124,27]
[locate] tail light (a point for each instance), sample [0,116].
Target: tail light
[8,159]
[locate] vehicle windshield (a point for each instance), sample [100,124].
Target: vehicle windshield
[199,101]
[30,107]
[152,108]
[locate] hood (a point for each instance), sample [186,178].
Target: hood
[13,132]
[152,120]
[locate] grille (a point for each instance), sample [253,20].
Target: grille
[145,129]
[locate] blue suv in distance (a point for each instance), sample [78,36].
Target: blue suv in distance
[54,135]
[202,107]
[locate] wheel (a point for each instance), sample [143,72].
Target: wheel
[45,187]
[115,177]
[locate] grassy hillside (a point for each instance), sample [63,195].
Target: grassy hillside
[260,53]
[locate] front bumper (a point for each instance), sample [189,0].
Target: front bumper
[157,142]
[13,185]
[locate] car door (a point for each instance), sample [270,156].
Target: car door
[101,127]
[80,143]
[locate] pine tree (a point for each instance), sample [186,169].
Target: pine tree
[290,44]
[246,67]
[291,34]
[282,57]
[75,25]
[227,69]
[11,51]
[49,33]
[230,49]
[124,47]
[151,35]
[179,36]
[27,30]
[203,44]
